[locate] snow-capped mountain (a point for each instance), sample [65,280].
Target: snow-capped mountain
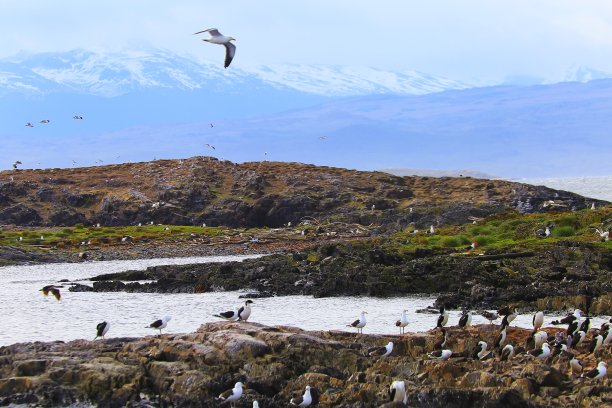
[113,74]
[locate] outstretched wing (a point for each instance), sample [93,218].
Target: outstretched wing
[56,293]
[230,51]
[213,31]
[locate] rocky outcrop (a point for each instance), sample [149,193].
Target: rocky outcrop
[206,190]
[558,278]
[276,363]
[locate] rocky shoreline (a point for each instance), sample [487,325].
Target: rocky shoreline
[276,363]
[564,276]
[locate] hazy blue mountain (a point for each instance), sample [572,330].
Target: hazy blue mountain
[139,107]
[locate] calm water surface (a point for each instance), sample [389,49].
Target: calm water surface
[29,316]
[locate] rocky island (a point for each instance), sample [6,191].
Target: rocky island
[326,232]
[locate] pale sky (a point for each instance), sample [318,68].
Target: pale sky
[468,39]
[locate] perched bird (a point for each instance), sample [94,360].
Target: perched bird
[604,235]
[440,354]
[217,38]
[101,329]
[508,318]
[381,351]
[402,322]
[440,344]
[575,366]
[490,316]
[596,343]
[397,392]
[233,394]
[160,323]
[242,313]
[540,337]
[540,353]
[507,353]
[443,318]
[360,323]
[601,371]
[586,325]
[538,320]
[53,289]
[303,401]
[577,315]
[572,328]
[480,350]
[578,338]
[500,341]
[465,320]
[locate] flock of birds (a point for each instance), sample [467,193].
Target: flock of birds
[539,344]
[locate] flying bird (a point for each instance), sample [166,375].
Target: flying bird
[217,38]
[29,124]
[77,117]
[45,121]
[17,163]
[210,146]
[53,289]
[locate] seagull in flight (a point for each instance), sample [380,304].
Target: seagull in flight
[45,121]
[17,163]
[217,38]
[77,117]
[29,124]
[210,146]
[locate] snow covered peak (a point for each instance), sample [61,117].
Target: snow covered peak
[112,74]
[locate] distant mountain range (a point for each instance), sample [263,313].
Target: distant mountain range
[155,104]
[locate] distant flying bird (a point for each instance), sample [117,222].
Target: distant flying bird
[53,289]
[322,137]
[17,163]
[45,121]
[29,124]
[211,125]
[217,38]
[210,146]
[77,117]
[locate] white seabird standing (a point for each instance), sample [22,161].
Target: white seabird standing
[440,354]
[160,323]
[541,353]
[397,392]
[234,394]
[402,322]
[538,320]
[217,38]
[360,323]
[242,313]
[303,401]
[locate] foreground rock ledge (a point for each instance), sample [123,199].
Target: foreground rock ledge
[277,362]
